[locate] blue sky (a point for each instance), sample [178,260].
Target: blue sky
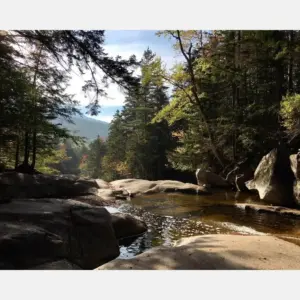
[125,43]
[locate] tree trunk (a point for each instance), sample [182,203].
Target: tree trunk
[279,68]
[236,90]
[17,152]
[234,94]
[188,59]
[34,135]
[34,148]
[291,62]
[26,149]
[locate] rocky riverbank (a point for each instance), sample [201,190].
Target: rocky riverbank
[59,221]
[216,252]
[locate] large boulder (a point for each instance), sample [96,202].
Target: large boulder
[126,225]
[38,231]
[92,237]
[295,165]
[21,185]
[211,179]
[26,245]
[274,178]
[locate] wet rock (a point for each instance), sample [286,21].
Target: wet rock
[126,225]
[274,179]
[277,210]
[211,179]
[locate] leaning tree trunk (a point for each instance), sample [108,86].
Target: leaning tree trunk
[188,59]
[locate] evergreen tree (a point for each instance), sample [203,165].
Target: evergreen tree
[94,156]
[34,68]
[135,146]
[240,79]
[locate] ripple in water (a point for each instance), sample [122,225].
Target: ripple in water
[171,217]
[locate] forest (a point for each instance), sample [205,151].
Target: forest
[234,96]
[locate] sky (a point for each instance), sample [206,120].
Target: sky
[125,43]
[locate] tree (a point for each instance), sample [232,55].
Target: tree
[84,50]
[114,162]
[240,78]
[92,166]
[34,77]
[135,146]
[193,91]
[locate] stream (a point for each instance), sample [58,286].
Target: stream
[173,216]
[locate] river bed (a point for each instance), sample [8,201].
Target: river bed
[173,216]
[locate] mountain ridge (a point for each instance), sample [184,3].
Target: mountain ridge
[87,127]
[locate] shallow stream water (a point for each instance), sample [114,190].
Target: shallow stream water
[173,216]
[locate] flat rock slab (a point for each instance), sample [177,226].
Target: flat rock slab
[216,252]
[141,186]
[279,210]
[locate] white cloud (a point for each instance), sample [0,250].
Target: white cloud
[125,50]
[115,96]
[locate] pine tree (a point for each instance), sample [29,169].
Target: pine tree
[135,146]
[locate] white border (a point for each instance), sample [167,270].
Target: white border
[144,285]
[154,14]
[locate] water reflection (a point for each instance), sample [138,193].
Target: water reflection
[173,216]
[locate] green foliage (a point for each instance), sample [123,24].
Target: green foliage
[241,79]
[176,110]
[91,163]
[47,163]
[33,83]
[290,113]
[235,95]
[137,147]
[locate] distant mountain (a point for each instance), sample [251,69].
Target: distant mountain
[87,127]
